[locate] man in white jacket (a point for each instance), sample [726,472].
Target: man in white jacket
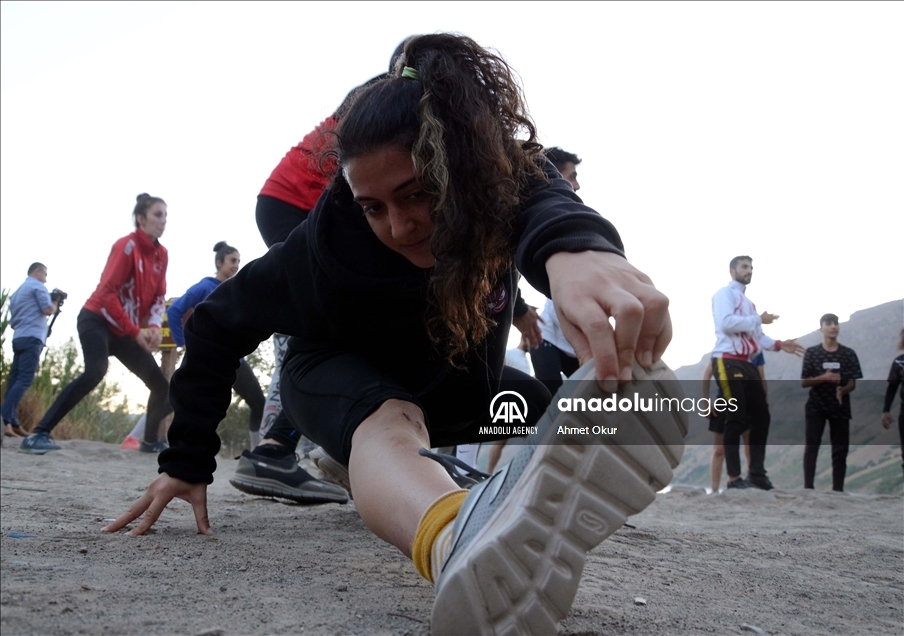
[739,337]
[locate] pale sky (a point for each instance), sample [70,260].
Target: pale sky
[706,130]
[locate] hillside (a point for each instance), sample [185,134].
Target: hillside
[874,463]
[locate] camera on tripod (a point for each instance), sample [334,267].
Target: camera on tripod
[58,295]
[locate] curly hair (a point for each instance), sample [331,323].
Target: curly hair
[461,120]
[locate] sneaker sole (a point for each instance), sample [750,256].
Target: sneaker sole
[520,572]
[37,452]
[264,487]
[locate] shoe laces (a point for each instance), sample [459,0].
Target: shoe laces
[461,473]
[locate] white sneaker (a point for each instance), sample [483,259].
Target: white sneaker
[521,537]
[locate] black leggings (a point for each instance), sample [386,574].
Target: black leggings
[323,406]
[249,389]
[276,219]
[98,344]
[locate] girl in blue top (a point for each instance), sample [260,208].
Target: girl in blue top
[227,261]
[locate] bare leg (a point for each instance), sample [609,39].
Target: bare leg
[392,502]
[715,467]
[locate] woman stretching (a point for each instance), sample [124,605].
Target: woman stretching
[227,262]
[122,318]
[436,202]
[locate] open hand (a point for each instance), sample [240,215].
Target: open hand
[791,346]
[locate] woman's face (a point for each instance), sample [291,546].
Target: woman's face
[395,206]
[228,267]
[154,221]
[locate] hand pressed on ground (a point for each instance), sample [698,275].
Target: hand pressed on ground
[155,499]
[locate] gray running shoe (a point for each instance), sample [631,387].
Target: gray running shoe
[520,540]
[283,478]
[332,469]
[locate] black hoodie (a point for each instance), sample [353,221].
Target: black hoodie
[334,288]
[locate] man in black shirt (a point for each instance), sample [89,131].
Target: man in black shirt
[830,371]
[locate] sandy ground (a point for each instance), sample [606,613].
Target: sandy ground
[784,562]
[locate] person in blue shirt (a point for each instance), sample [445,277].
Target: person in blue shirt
[29,307]
[246,385]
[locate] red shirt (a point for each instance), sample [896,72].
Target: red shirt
[132,289]
[299,179]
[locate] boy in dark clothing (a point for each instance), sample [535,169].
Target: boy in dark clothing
[830,371]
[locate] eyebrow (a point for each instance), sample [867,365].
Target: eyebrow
[399,187]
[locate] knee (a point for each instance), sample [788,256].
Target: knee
[718,452]
[393,419]
[94,373]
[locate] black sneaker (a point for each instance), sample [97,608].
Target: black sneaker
[283,478]
[760,481]
[740,484]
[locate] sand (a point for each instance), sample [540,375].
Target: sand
[784,562]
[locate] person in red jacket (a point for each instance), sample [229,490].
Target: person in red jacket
[122,318]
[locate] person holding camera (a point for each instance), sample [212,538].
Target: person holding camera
[122,318]
[29,307]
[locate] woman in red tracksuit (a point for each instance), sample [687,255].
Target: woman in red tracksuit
[122,318]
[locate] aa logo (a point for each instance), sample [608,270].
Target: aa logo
[509,407]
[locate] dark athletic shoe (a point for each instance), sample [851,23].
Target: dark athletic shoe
[38,444]
[283,478]
[521,537]
[157,447]
[760,481]
[740,484]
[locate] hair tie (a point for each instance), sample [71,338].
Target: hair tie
[410,73]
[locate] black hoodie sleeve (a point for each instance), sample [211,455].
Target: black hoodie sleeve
[553,219]
[269,295]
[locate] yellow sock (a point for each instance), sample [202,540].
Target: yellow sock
[434,534]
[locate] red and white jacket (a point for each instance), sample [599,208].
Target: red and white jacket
[739,328]
[132,289]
